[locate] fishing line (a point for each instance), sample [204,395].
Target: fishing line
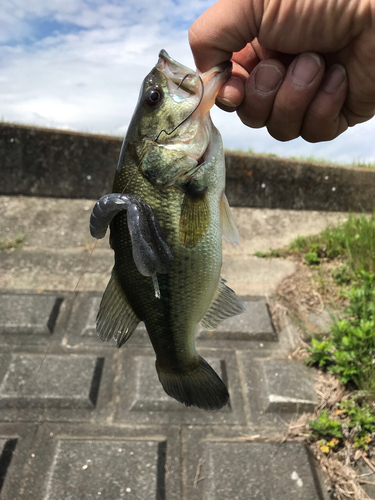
[189,115]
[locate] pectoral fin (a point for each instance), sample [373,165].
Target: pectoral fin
[228,227]
[195,219]
[224,305]
[116,318]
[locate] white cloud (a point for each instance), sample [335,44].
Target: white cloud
[79,64]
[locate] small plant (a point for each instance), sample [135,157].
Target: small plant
[299,244]
[320,353]
[275,253]
[15,243]
[272,253]
[312,259]
[261,255]
[362,419]
[325,427]
[350,350]
[353,240]
[342,275]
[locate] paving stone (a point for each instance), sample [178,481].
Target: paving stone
[2,444]
[254,324]
[257,471]
[107,469]
[142,398]
[7,447]
[51,381]
[73,462]
[287,387]
[277,387]
[28,314]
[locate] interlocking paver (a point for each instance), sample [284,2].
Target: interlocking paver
[277,390]
[33,380]
[7,447]
[70,381]
[132,466]
[287,387]
[257,471]
[28,314]
[90,462]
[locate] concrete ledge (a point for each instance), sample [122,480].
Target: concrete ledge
[45,162]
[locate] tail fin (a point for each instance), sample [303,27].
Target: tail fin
[201,386]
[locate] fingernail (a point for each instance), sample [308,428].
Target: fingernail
[267,78]
[335,77]
[226,102]
[306,68]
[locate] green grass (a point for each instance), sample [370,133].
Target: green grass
[349,350]
[353,241]
[8,244]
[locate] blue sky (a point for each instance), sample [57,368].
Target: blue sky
[79,64]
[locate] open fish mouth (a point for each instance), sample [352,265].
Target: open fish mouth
[195,132]
[187,82]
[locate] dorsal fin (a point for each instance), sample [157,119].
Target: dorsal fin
[116,318]
[223,306]
[227,225]
[195,218]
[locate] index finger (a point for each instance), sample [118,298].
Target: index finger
[224,28]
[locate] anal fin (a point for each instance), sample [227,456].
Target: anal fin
[227,224]
[223,306]
[116,318]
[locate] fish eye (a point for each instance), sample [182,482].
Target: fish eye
[153,96]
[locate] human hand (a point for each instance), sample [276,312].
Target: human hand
[300,67]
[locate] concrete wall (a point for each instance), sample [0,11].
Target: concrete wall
[44,162]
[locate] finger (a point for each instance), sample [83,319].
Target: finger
[232,92]
[298,89]
[323,119]
[260,92]
[217,33]
[231,95]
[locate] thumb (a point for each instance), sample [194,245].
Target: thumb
[217,33]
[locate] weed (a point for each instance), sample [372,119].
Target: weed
[320,353]
[325,427]
[342,275]
[312,259]
[353,240]
[272,253]
[15,243]
[262,255]
[300,244]
[350,350]
[361,418]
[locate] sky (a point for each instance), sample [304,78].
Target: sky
[79,65]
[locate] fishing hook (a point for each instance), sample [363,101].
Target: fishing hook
[189,115]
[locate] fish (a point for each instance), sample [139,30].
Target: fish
[167,215]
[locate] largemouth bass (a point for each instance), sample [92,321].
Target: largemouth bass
[167,215]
